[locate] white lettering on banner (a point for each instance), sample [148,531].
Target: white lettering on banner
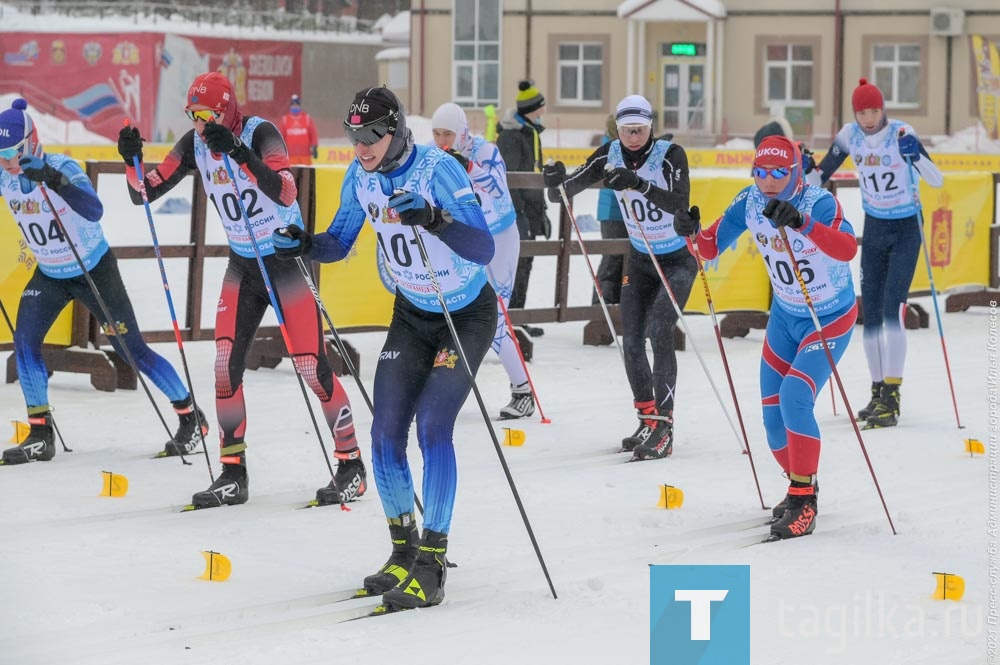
[701,609]
[260,90]
[780,152]
[263,64]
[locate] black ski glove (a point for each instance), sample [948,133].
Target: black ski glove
[687,222]
[621,178]
[783,213]
[554,174]
[221,140]
[129,144]
[36,170]
[291,242]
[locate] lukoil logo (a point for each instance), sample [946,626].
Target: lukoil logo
[699,615]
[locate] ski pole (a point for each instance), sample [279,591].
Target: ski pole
[425,258]
[683,321]
[930,278]
[173,314]
[129,358]
[833,367]
[343,351]
[725,363]
[10,326]
[517,346]
[590,267]
[277,310]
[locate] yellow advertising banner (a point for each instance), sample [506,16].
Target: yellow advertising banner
[737,278]
[739,160]
[353,290]
[957,220]
[987,61]
[17,264]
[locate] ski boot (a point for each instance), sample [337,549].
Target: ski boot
[350,481]
[780,508]
[187,439]
[522,403]
[886,412]
[799,518]
[658,445]
[424,586]
[864,413]
[38,446]
[231,488]
[645,429]
[405,538]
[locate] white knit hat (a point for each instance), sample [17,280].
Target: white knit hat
[450,116]
[634,110]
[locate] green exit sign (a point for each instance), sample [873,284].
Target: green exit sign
[683,49]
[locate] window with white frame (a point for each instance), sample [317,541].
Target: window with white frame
[580,70]
[788,74]
[896,72]
[476,56]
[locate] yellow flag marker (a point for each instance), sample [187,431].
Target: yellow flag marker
[217,567]
[21,431]
[513,437]
[115,484]
[670,497]
[949,587]
[974,447]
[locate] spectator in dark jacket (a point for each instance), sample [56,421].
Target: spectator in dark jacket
[518,140]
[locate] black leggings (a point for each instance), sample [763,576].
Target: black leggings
[644,302]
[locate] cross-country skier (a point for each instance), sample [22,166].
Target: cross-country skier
[794,365]
[407,190]
[650,177]
[488,173]
[880,148]
[258,156]
[59,279]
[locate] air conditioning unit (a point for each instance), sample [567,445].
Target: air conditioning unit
[947,22]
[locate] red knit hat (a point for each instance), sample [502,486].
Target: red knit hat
[776,151]
[214,91]
[867,96]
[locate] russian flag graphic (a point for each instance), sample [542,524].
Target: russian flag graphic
[92,101]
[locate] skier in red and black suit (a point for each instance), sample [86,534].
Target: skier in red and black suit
[258,155]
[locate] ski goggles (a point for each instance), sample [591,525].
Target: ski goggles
[368,134]
[633,130]
[777,173]
[203,115]
[13,151]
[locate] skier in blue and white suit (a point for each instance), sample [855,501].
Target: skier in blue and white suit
[485,166]
[59,277]
[398,185]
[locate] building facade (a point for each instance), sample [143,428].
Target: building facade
[713,69]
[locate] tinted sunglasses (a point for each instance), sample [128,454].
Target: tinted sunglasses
[204,115]
[777,173]
[13,151]
[369,133]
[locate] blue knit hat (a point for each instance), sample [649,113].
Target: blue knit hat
[17,129]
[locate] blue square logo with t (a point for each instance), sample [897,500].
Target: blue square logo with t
[699,615]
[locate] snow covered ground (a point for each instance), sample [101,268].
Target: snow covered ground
[99,580]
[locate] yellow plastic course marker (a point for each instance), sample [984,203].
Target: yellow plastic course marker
[21,432]
[974,447]
[217,567]
[115,484]
[670,497]
[949,587]
[513,437]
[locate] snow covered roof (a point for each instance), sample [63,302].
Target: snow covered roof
[398,53]
[397,29]
[672,10]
